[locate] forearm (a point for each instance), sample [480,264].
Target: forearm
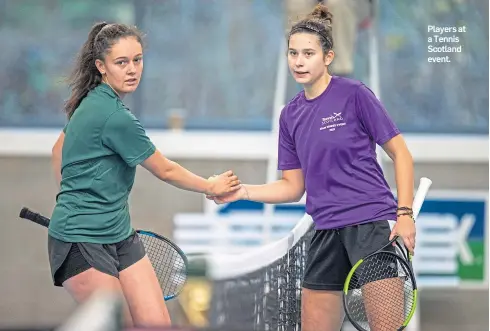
[404,179]
[182,178]
[280,191]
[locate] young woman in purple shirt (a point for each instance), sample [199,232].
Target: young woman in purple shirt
[327,147]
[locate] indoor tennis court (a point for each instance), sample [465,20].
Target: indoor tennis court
[216,79]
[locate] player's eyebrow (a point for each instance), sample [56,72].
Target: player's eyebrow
[304,50]
[125,57]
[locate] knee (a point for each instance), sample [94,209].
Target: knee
[321,310]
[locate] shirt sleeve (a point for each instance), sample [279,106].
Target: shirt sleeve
[374,117]
[124,134]
[287,156]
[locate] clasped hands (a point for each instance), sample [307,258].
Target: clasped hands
[225,188]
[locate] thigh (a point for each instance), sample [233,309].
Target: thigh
[129,251]
[65,260]
[84,284]
[364,239]
[321,310]
[385,309]
[83,268]
[327,264]
[69,259]
[143,294]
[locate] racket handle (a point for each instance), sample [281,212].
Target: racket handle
[422,191]
[34,217]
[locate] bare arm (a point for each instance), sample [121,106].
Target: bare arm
[397,150]
[399,153]
[56,158]
[290,188]
[178,176]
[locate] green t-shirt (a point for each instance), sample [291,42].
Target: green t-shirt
[104,142]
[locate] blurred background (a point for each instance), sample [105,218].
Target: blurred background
[215,81]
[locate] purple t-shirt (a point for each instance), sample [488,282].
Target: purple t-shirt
[333,138]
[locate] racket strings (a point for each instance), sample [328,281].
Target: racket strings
[380,293]
[170,267]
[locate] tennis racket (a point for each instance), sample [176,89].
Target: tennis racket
[168,260]
[380,292]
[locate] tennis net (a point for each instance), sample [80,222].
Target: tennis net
[260,289]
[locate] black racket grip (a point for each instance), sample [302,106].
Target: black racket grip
[33,216]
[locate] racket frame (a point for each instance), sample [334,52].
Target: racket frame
[174,246]
[405,260]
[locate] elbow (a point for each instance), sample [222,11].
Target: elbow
[298,196]
[58,147]
[160,167]
[164,175]
[406,156]
[54,149]
[166,171]
[295,200]
[293,190]
[55,153]
[403,160]
[403,155]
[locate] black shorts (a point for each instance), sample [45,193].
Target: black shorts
[332,253]
[69,259]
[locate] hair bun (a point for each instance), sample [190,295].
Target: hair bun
[321,13]
[97,27]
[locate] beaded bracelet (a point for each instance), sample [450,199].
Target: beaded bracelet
[408,214]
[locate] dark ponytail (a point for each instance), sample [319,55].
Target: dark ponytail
[85,75]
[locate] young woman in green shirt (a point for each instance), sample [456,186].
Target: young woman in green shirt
[91,243]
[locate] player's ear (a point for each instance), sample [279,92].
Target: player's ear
[328,58]
[100,66]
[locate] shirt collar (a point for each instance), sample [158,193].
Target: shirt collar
[104,87]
